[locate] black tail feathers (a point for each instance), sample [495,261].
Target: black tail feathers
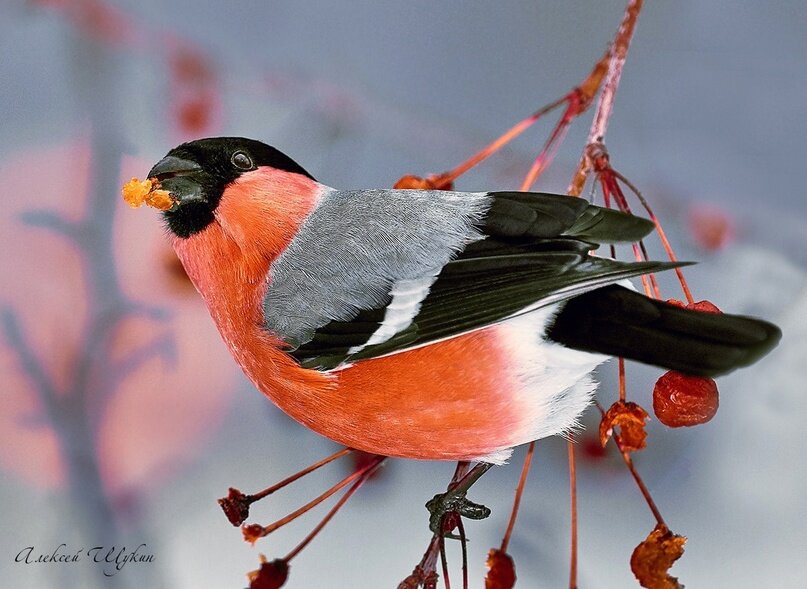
[619,322]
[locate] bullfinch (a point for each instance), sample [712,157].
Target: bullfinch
[421,323]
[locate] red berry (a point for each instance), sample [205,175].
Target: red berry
[252,532]
[271,575]
[682,400]
[712,228]
[704,307]
[652,559]
[194,114]
[501,570]
[413,182]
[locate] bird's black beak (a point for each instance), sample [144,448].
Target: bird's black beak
[182,178]
[171,165]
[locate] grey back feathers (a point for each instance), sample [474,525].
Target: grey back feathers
[360,249]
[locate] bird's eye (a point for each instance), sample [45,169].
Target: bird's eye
[241,161]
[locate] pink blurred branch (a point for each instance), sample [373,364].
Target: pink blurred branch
[30,364]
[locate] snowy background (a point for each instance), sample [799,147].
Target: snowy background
[122,416]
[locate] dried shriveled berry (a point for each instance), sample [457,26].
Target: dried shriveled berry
[271,575]
[704,307]
[410,582]
[630,418]
[652,559]
[682,400]
[501,570]
[419,578]
[252,533]
[235,506]
[418,183]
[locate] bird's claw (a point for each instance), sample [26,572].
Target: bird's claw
[452,502]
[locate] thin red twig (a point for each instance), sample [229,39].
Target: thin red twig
[525,470]
[544,159]
[314,502]
[617,54]
[578,100]
[464,548]
[446,178]
[652,277]
[636,477]
[622,387]
[639,482]
[662,235]
[374,465]
[298,475]
[610,188]
[444,562]
[609,175]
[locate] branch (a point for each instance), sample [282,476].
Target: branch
[29,362]
[51,220]
[618,52]
[161,346]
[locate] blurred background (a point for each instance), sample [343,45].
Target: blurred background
[122,416]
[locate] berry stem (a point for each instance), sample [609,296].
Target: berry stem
[544,159]
[444,561]
[639,482]
[464,547]
[652,277]
[525,470]
[314,502]
[616,55]
[622,386]
[619,53]
[578,100]
[660,230]
[470,477]
[444,179]
[298,475]
[367,473]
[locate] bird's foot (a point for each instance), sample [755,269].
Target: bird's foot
[445,507]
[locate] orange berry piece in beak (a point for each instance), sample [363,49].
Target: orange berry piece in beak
[137,192]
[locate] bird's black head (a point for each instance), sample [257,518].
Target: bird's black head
[196,174]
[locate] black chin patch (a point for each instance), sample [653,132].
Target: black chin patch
[190,218]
